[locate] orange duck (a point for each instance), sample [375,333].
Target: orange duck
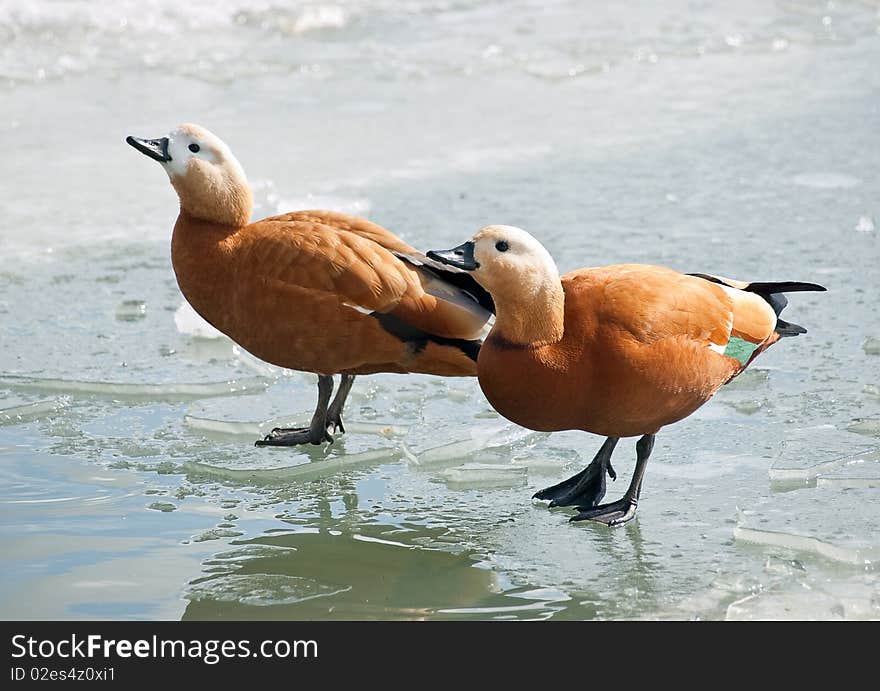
[619,351]
[315,291]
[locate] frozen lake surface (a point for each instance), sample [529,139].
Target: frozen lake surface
[734,138]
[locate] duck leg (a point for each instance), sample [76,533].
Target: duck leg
[334,412]
[587,487]
[624,509]
[315,433]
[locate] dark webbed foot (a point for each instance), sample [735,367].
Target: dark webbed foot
[587,487]
[616,513]
[316,432]
[293,436]
[624,509]
[584,489]
[278,431]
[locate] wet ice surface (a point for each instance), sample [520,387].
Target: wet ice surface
[778,520]
[807,454]
[740,142]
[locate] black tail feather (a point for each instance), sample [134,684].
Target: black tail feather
[772,293]
[784,328]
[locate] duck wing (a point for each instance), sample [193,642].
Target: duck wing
[368,269]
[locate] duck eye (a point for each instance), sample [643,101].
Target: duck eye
[502,246]
[194,148]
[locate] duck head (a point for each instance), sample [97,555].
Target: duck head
[209,180]
[520,275]
[502,258]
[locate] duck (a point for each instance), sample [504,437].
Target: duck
[313,291]
[618,351]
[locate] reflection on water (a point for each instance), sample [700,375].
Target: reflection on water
[324,575]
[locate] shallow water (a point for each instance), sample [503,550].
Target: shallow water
[736,141]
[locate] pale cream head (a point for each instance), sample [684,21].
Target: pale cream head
[208,178]
[522,278]
[510,258]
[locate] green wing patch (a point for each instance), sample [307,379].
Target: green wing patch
[740,349]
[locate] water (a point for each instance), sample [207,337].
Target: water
[736,139]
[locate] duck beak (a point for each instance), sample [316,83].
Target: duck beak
[461,257]
[157,149]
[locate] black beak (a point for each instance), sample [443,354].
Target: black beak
[157,149]
[461,257]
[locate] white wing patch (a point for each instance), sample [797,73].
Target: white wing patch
[736,347]
[358,308]
[721,347]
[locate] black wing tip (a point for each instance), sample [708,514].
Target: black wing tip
[455,276]
[806,287]
[418,340]
[770,287]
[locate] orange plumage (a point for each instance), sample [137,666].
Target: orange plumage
[316,291]
[295,290]
[634,356]
[617,350]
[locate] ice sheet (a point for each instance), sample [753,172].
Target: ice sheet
[871,346]
[32,411]
[484,475]
[280,476]
[870,427]
[806,521]
[786,605]
[146,392]
[807,453]
[862,470]
[242,428]
[482,437]
[672,142]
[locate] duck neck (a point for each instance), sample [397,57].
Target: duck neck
[224,200]
[202,256]
[533,316]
